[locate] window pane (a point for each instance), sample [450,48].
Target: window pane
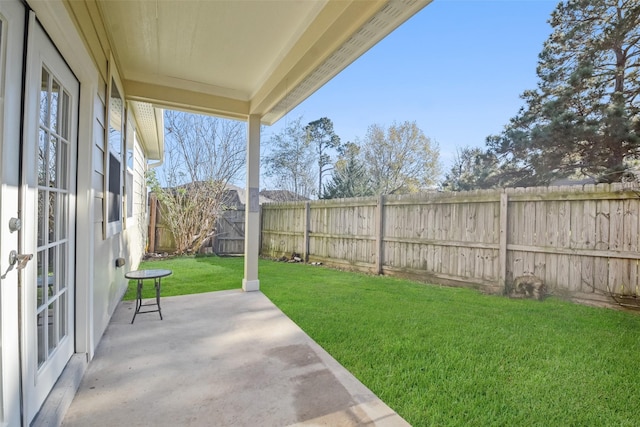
[55,96]
[65,116]
[115,120]
[42,284]
[44,99]
[62,267]
[42,157]
[53,211]
[62,313]
[115,159]
[114,189]
[129,194]
[42,214]
[63,213]
[63,164]
[42,321]
[52,326]
[51,272]
[53,160]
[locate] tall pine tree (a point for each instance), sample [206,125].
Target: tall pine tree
[583,119]
[321,136]
[349,175]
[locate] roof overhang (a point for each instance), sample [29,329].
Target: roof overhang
[233,58]
[150,125]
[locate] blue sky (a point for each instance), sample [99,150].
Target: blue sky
[457,68]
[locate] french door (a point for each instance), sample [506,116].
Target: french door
[48,198]
[12,18]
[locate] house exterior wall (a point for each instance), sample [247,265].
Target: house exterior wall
[137,224]
[109,283]
[99,284]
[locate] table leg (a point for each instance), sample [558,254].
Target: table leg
[138,300]
[157,285]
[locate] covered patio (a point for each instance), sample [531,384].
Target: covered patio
[224,358]
[250,60]
[84,84]
[227,358]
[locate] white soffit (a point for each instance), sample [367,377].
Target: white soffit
[150,126]
[225,46]
[238,57]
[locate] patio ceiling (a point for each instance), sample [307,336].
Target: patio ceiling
[239,58]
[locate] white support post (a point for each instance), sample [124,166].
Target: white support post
[252,207]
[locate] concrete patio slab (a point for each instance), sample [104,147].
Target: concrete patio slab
[218,359]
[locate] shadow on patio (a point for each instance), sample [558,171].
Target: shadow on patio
[218,359]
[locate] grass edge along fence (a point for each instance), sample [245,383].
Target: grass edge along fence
[578,239]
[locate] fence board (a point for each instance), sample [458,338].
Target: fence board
[539,268]
[575,273]
[564,225]
[631,240]
[616,239]
[601,265]
[552,224]
[229,233]
[576,239]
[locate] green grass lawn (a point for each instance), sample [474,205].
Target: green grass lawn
[451,356]
[192,276]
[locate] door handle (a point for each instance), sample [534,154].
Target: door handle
[15,258]
[20,259]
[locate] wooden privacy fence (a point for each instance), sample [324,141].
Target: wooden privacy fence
[227,240]
[577,239]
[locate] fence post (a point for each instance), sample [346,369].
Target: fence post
[152,223]
[502,254]
[307,224]
[379,231]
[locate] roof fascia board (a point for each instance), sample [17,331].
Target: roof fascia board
[393,14]
[159,115]
[333,26]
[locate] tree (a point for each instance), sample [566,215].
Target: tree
[322,138]
[349,175]
[290,160]
[202,154]
[400,159]
[583,119]
[473,168]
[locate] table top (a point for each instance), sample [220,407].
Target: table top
[147,274]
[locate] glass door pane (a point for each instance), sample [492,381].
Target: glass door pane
[53,207]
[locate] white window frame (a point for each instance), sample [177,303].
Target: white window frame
[111,226]
[131,143]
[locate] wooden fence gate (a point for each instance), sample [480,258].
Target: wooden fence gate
[229,237]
